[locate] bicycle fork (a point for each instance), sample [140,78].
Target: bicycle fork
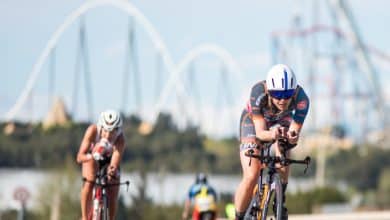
[272,187]
[100,205]
[97,198]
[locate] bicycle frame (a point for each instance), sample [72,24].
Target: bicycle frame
[271,186]
[258,208]
[100,205]
[100,210]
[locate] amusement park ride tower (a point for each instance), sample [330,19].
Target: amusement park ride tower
[337,71]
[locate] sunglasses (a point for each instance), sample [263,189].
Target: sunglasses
[281,94]
[112,130]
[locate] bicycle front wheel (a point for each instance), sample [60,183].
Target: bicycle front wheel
[104,210]
[278,197]
[95,211]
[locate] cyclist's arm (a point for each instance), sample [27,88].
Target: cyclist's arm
[213,193]
[296,127]
[302,106]
[262,132]
[293,132]
[301,109]
[117,154]
[186,210]
[83,155]
[187,203]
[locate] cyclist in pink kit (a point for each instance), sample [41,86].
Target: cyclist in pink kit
[103,141]
[277,108]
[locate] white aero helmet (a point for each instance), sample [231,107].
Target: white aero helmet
[281,82]
[109,120]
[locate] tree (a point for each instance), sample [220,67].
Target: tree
[383,192]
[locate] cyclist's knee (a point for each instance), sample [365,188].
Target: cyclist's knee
[284,173]
[87,186]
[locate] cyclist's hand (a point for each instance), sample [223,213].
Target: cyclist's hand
[112,173]
[97,156]
[279,133]
[292,137]
[282,132]
[275,133]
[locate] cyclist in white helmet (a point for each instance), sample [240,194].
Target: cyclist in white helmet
[106,134]
[277,108]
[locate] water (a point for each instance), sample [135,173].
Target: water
[165,188]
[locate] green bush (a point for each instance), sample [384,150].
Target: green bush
[305,202]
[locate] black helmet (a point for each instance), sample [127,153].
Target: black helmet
[201,178]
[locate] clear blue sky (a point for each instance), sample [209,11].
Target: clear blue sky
[241,27]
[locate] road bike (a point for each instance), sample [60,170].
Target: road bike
[269,184]
[100,203]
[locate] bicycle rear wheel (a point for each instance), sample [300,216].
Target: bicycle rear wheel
[267,193]
[253,211]
[209,215]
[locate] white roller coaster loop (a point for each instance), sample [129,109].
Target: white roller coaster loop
[191,55]
[174,70]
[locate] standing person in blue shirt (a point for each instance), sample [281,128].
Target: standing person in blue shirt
[276,109]
[202,198]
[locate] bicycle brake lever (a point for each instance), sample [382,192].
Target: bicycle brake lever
[250,156]
[283,161]
[305,170]
[307,162]
[127,185]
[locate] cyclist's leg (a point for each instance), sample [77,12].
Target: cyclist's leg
[113,192]
[284,171]
[88,172]
[249,180]
[250,173]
